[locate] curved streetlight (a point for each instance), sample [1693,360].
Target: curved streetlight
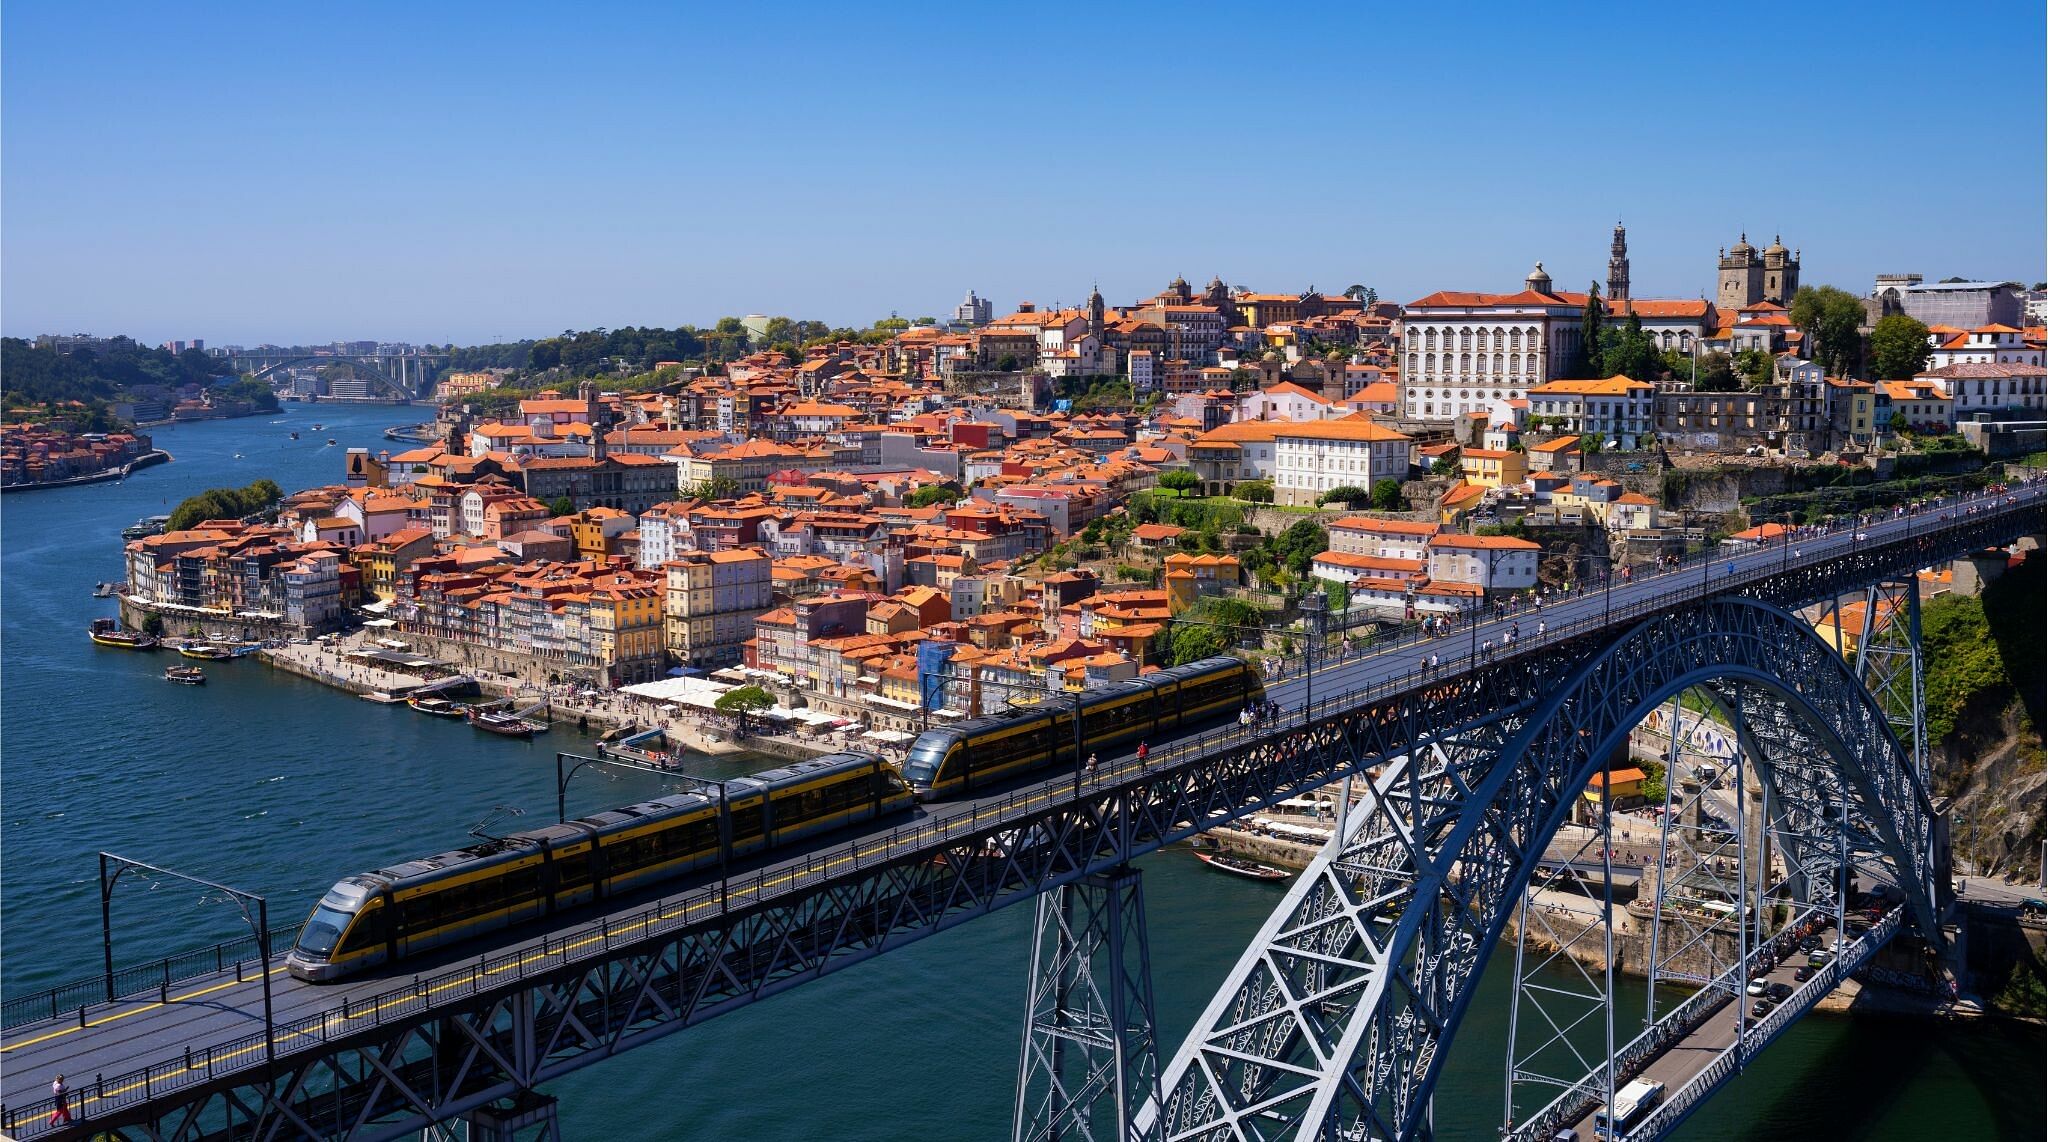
[258,924]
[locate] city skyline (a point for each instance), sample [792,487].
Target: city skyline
[671,186]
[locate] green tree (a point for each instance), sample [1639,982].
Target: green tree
[742,701]
[715,488]
[1628,351]
[1386,496]
[1831,318]
[1192,642]
[1757,367]
[1364,295]
[1253,491]
[153,625]
[1338,594]
[562,505]
[1586,362]
[1344,493]
[1898,348]
[1178,480]
[1297,547]
[1444,466]
[1591,443]
[933,494]
[225,503]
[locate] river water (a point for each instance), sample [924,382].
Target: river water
[278,785]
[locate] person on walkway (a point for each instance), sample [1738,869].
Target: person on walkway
[1142,752]
[1091,765]
[62,1112]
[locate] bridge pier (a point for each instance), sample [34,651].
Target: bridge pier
[531,1117]
[1090,1056]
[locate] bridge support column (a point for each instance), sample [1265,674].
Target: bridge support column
[1889,664]
[531,1117]
[1090,1057]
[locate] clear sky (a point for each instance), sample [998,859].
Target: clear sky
[470,172]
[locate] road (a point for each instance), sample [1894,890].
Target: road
[207,1016]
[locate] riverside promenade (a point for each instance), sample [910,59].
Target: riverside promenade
[332,663]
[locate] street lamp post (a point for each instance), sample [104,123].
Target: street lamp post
[111,868]
[562,776]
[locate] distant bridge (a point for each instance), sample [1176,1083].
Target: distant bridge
[408,374]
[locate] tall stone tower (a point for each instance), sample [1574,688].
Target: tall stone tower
[1781,272]
[1742,277]
[1095,308]
[595,413]
[1617,266]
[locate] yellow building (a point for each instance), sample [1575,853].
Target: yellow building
[1493,468]
[382,561]
[626,631]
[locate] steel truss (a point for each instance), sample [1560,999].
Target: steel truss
[1370,959]
[1091,1057]
[1334,1022]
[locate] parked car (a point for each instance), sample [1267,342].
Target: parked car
[1758,986]
[1802,973]
[1780,992]
[1760,1008]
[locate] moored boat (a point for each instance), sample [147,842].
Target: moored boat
[1238,866]
[510,725]
[107,632]
[205,650]
[438,707]
[185,675]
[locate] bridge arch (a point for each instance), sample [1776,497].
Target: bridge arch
[1338,1020]
[370,365]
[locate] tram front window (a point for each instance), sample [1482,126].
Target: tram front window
[323,929]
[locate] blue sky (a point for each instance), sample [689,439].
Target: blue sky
[466,172]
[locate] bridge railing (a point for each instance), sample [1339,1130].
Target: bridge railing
[1761,1032]
[491,973]
[136,981]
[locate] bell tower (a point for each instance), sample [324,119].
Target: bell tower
[1617,265]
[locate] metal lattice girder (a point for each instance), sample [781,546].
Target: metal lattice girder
[1334,1022]
[1888,660]
[1090,1056]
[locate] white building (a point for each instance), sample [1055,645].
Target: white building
[1286,401]
[1674,324]
[1464,352]
[1144,369]
[664,535]
[1618,408]
[1382,538]
[1990,388]
[1310,459]
[1984,345]
[1489,562]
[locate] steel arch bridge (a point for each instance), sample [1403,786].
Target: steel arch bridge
[1337,1020]
[405,375]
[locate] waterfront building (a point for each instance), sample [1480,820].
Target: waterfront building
[711,601]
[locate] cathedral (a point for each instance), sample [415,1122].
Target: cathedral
[1748,278]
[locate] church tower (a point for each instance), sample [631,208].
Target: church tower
[1095,312]
[1781,273]
[1742,278]
[1617,266]
[595,413]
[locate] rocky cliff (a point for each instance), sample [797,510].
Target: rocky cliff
[1985,712]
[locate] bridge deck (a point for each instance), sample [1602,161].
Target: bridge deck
[209,1020]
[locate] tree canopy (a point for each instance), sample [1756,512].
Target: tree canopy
[1386,496]
[1178,480]
[1832,319]
[1586,362]
[933,494]
[225,503]
[1898,348]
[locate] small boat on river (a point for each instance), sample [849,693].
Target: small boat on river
[185,675]
[510,725]
[438,707]
[107,632]
[1239,866]
[205,650]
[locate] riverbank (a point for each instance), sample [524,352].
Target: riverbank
[148,459]
[331,665]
